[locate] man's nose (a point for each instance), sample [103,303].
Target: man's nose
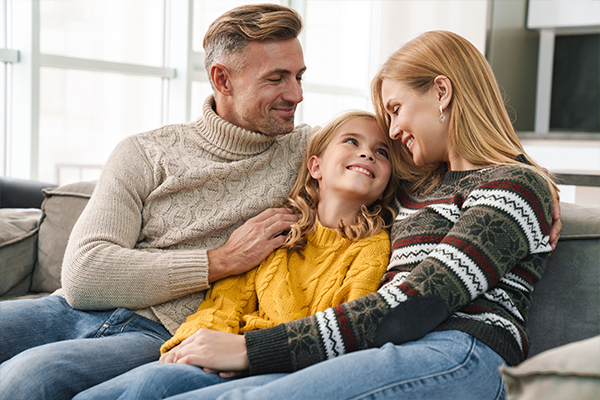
[294,91]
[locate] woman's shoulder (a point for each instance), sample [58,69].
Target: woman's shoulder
[521,173]
[514,179]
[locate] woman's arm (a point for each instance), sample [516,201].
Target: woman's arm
[500,223]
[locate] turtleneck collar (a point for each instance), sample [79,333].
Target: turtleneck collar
[324,237]
[226,140]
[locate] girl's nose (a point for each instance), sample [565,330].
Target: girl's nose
[369,156]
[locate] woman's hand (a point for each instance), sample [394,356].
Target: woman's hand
[216,352]
[556,224]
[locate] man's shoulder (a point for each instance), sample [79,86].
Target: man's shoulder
[301,133]
[162,135]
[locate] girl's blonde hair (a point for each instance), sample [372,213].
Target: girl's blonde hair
[480,128]
[304,196]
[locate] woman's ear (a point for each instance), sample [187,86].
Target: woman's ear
[314,167]
[221,79]
[443,90]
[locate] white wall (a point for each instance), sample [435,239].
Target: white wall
[401,21]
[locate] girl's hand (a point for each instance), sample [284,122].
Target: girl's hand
[213,351]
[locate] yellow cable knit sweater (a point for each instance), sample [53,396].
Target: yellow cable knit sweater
[286,287]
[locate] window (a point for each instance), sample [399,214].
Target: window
[78,76]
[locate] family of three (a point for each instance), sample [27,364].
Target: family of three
[400,263]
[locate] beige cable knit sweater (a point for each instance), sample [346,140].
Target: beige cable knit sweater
[165,198]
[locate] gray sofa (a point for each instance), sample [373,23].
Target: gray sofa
[565,305]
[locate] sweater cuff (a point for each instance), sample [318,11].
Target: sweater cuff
[268,351]
[188,272]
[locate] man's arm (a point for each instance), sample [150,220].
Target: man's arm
[250,244]
[103,266]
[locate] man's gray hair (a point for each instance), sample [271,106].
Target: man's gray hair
[231,32]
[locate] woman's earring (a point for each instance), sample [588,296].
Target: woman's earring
[442,116]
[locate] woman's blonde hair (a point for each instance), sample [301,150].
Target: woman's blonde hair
[303,199]
[480,129]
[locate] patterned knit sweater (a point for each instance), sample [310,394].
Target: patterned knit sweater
[464,257]
[331,270]
[164,199]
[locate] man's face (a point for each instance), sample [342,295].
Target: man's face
[269,87]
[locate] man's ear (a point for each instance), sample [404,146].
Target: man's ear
[221,79]
[314,167]
[443,90]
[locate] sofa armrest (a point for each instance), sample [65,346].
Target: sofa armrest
[21,193]
[18,249]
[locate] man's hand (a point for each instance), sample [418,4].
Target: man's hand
[250,244]
[556,224]
[216,352]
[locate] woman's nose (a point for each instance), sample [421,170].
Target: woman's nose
[395,132]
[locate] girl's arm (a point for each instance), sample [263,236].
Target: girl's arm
[222,309]
[501,223]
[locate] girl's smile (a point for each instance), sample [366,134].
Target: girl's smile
[353,170]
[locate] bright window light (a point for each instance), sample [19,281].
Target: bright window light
[120,31]
[83,115]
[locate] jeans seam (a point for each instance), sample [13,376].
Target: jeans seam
[449,371]
[128,321]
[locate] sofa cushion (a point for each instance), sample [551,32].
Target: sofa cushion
[61,208]
[568,372]
[18,228]
[579,222]
[564,304]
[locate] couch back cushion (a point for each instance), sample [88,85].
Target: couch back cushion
[61,209]
[564,304]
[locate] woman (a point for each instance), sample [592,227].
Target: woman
[468,245]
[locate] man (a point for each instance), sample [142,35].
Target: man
[163,221]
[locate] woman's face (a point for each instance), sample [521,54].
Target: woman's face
[415,121]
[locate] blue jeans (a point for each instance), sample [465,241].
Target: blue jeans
[48,350]
[442,365]
[159,381]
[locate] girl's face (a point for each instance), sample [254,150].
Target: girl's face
[415,120]
[355,164]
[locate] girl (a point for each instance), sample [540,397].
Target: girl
[337,252]
[469,243]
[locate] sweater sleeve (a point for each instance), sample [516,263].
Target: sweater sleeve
[500,223]
[102,268]
[222,309]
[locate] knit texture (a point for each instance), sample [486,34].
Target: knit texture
[164,199]
[464,257]
[287,286]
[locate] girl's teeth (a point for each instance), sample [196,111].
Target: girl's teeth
[410,142]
